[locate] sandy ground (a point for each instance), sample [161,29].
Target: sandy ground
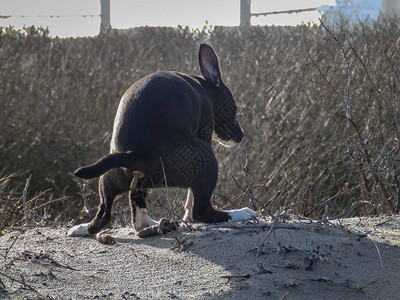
[356,259]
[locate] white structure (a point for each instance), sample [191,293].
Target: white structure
[351,10]
[354,10]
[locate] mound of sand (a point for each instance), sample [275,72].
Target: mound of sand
[352,259]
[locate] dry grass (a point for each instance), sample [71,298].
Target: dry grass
[59,96]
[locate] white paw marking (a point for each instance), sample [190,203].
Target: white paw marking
[239,215]
[79,230]
[142,219]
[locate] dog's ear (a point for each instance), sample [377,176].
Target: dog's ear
[208,62]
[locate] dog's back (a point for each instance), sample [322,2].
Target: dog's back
[159,112]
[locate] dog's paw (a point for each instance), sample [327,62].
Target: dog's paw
[143,220]
[243,214]
[79,230]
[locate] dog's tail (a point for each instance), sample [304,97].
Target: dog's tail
[108,162]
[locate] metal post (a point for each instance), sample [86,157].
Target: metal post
[245,13]
[105,16]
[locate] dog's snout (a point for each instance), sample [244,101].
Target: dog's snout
[240,138]
[240,134]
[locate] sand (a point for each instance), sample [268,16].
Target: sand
[356,258]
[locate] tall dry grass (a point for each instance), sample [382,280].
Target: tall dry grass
[59,97]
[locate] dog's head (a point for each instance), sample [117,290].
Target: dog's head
[227,129]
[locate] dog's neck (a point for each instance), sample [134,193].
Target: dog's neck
[210,89]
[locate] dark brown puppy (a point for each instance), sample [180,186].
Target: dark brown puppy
[162,133]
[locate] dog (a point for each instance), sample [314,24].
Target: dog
[161,137]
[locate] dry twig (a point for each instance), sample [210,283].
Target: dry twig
[279,214]
[370,184]
[20,281]
[24,199]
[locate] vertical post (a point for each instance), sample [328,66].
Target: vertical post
[105,16]
[245,13]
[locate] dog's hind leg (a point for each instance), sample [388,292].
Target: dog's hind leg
[139,216]
[111,184]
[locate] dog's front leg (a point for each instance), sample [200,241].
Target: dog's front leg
[237,215]
[188,217]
